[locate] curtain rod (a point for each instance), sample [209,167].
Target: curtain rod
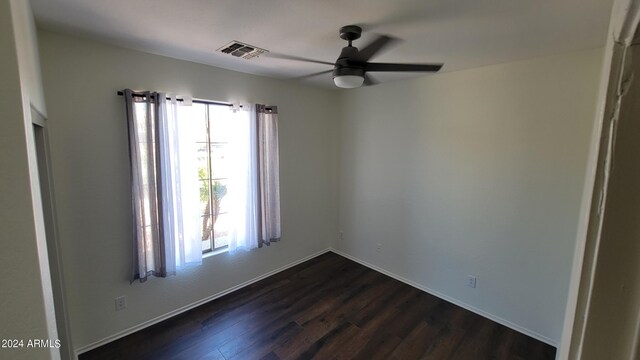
[207,102]
[120,93]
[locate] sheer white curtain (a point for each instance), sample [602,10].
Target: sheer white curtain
[164,186]
[182,188]
[243,181]
[254,188]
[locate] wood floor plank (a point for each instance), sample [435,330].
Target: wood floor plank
[270,356]
[332,295]
[444,344]
[326,308]
[214,354]
[378,347]
[264,344]
[313,330]
[212,337]
[416,343]
[409,314]
[481,345]
[393,294]
[229,307]
[328,345]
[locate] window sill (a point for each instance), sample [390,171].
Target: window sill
[215,252]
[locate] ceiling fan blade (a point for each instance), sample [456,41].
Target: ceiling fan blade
[368,80]
[312,75]
[402,67]
[374,47]
[297,58]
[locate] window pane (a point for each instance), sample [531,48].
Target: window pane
[219,121]
[221,231]
[205,204]
[207,227]
[141,113]
[219,192]
[219,130]
[203,162]
[206,245]
[198,116]
[219,161]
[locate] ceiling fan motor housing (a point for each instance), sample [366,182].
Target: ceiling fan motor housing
[348,70]
[344,66]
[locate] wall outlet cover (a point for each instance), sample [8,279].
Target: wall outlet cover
[471,281]
[121,303]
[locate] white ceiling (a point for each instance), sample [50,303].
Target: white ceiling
[460,33]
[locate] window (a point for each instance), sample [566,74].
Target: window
[204,178]
[211,128]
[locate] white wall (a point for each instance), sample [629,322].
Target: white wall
[473,172]
[90,165]
[26,299]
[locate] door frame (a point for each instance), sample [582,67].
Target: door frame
[45,179]
[625,16]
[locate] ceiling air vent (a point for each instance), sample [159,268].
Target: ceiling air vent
[241,50]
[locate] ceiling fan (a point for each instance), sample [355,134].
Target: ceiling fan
[352,66]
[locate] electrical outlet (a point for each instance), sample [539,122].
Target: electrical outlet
[378,247]
[471,281]
[340,235]
[121,303]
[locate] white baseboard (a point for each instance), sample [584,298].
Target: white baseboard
[170,314]
[483,313]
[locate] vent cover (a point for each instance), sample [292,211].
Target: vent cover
[241,50]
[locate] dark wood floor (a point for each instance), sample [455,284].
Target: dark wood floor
[326,308]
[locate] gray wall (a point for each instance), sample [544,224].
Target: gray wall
[473,172]
[90,164]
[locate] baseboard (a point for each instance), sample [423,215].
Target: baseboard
[193,305]
[483,313]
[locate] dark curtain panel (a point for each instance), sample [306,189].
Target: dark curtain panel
[268,174]
[143,122]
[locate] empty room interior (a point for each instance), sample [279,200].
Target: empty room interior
[415,179]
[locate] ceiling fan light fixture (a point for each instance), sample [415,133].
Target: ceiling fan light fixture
[348,77]
[348,81]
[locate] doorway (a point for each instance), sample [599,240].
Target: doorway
[53,248]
